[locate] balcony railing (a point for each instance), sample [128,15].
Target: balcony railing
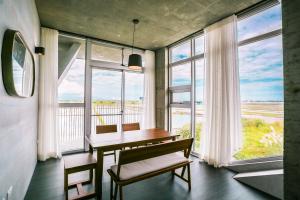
[70,120]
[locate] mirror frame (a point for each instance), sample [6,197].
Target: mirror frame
[7,67]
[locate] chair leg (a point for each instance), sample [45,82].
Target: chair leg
[91,175]
[121,192]
[111,188]
[189,176]
[116,192]
[66,184]
[183,170]
[115,157]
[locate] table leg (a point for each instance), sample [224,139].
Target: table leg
[99,174]
[91,150]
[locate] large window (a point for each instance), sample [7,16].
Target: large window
[95,88]
[261,84]
[186,89]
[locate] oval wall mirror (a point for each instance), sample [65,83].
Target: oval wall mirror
[18,68]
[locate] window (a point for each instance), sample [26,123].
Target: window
[261,84]
[70,112]
[186,89]
[181,74]
[181,52]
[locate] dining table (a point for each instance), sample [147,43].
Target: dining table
[119,140]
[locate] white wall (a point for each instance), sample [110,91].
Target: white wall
[18,116]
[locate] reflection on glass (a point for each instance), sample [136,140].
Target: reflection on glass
[199,70]
[199,45]
[134,94]
[105,53]
[23,68]
[181,97]
[181,51]
[181,121]
[181,74]
[261,86]
[263,22]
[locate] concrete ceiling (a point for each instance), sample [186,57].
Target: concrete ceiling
[162,22]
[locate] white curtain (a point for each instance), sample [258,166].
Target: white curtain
[222,128]
[148,117]
[48,139]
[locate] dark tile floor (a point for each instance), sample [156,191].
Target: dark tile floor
[208,183]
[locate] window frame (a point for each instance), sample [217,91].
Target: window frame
[184,88]
[265,36]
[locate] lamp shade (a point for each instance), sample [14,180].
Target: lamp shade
[135,62]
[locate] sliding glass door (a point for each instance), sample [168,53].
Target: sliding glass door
[106,105]
[116,98]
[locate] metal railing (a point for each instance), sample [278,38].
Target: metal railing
[70,120]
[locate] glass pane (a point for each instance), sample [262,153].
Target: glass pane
[199,74]
[106,97]
[105,120]
[261,85]
[263,22]
[181,51]
[199,45]
[106,92]
[70,113]
[181,121]
[134,94]
[182,97]
[105,53]
[181,74]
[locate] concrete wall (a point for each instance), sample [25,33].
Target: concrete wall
[291,58]
[161,88]
[18,116]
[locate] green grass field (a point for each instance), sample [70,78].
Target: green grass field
[261,139]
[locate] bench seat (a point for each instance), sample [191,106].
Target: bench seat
[135,169]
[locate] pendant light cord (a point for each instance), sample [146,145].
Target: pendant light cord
[133,38]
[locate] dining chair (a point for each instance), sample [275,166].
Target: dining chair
[102,129]
[131,126]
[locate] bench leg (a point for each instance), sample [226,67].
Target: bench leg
[66,184]
[189,175]
[91,175]
[111,188]
[116,192]
[115,157]
[182,172]
[121,192]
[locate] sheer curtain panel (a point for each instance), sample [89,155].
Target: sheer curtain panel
[148,117]
[48,139]
[222,129]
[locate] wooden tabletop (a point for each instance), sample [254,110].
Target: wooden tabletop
[113,141]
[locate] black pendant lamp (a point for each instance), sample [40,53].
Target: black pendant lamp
[135,60]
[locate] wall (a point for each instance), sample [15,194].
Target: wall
[291,59]
[18,116]
[161,88]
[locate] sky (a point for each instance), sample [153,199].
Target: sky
[260,66]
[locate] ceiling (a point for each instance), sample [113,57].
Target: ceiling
[162,22]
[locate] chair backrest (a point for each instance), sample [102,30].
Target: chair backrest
[131,127]
[106,129]
[143,153]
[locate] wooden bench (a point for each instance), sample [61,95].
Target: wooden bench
[78,163]
[145,162]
